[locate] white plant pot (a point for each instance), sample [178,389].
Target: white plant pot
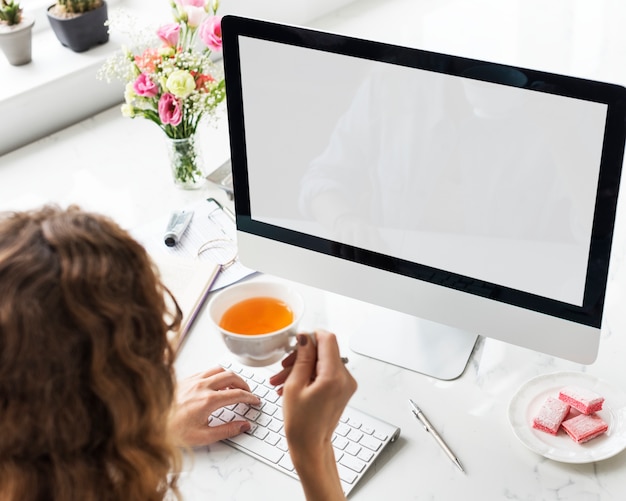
[16,41]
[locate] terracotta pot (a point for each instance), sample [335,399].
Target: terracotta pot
[82,32]
[16,41]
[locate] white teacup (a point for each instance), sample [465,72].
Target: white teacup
[258,349]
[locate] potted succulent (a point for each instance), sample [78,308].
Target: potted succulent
[79,24]
[15,33]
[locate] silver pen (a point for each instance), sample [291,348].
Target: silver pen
[430,429]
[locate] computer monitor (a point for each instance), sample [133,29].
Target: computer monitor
[464,196]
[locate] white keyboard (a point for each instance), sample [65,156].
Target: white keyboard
[358,439]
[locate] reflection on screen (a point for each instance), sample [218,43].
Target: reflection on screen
[490,181]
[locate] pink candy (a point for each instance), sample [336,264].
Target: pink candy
[551,415]
[582,427]
[581,399]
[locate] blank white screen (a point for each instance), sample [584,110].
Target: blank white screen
[489,181]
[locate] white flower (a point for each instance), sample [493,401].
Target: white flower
[195,15]
[128,110]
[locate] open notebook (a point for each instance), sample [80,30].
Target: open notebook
[190,283]
[193,268]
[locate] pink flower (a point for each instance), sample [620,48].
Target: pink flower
[210,32]
[192,3]
[169,34]
[170,111]
[148,60]
[202,81]
[145,87]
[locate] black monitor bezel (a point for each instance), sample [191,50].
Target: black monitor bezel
[614,96]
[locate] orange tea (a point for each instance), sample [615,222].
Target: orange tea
[257,315]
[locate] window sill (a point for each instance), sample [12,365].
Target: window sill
[59,87]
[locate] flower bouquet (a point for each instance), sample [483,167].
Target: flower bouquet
[171,80]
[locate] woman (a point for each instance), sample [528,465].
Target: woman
[88,404]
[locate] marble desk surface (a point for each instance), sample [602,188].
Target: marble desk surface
[133,185]
[118,166]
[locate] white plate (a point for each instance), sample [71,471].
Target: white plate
[560,447]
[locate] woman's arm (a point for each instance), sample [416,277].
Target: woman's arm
[317,387]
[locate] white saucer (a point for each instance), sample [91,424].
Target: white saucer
[530,397]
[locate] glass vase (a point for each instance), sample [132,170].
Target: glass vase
[186,163]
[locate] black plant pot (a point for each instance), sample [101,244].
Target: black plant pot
[82,32]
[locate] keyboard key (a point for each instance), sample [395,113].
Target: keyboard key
[354,435]
[285,462]
[263,419]
[241,409]
[260,391]
[213,421]
[272,438]
[380,436]
[270,409]
[342,430]
[272,396]
[252,414]
[282,444]
[228,415]
[371,443]
[353,448]
[275,425]
[365,455]
[346,475]
[355,423]
[260,433]
[340,442]
[353,463]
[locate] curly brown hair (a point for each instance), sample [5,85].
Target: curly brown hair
[86,370]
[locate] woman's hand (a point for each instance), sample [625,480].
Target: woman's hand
[198,396]
[316,388]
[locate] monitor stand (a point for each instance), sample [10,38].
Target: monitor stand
[419,345]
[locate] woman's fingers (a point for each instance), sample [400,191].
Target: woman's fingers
[219,379]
